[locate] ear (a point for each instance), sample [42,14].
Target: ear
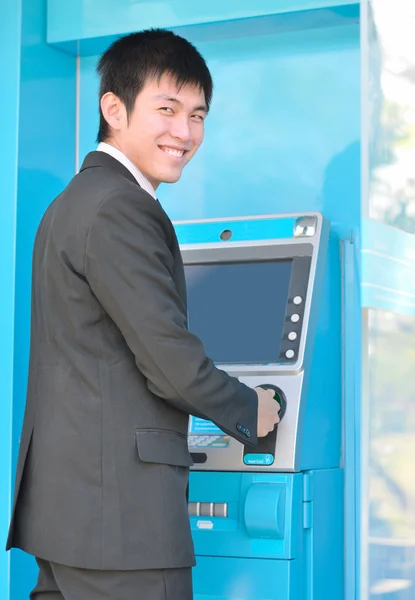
[114,111]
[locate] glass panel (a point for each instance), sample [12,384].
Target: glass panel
[389,33]
[391,397]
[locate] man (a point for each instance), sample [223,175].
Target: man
[103,467]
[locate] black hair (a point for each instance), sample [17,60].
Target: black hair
[131,61]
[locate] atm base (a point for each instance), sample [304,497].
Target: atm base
[269,536]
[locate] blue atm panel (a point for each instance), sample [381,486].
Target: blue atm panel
[267,522]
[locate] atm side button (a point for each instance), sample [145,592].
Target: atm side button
[206,509]
[220,510]
[194,509]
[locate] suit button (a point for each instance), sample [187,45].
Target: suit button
[244,430]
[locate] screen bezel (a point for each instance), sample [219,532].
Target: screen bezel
[239,252]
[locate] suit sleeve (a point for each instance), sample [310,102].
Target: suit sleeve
[129,267]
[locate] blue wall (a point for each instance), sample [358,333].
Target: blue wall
[283,133]
[9,66]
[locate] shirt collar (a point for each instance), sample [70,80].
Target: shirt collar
[120,156]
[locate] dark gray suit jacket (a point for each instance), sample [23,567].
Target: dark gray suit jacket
[103,464]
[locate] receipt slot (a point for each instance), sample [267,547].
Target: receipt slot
[267,520]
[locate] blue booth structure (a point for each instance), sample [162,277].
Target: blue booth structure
[305,162]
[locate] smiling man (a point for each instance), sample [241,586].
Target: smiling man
[103,466]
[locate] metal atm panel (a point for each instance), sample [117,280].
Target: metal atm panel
[251,303]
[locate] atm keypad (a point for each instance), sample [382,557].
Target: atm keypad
[208,441]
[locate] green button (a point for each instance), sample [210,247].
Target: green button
[277,397]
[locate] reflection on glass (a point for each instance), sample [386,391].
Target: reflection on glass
[391,379]
[391,78]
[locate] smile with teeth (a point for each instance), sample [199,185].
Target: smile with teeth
[173,151]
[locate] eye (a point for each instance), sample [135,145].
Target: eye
[166,109]
[198,118]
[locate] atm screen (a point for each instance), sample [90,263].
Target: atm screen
[238,309]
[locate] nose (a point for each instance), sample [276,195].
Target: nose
[180,128]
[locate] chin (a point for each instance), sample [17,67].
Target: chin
[170,177]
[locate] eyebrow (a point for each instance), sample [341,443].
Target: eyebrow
[168,98]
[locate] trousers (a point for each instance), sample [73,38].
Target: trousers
[59,582]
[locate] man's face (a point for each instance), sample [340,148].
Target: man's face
[164,131]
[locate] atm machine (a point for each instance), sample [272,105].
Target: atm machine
[264,296]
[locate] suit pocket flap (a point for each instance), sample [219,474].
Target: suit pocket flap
[164,447]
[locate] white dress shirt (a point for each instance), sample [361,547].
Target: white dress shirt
[120,156]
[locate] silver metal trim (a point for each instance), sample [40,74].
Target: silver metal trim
[287,451]
[261,250]
[288,377]
[250,218]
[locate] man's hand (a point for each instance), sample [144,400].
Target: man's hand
[268,410]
